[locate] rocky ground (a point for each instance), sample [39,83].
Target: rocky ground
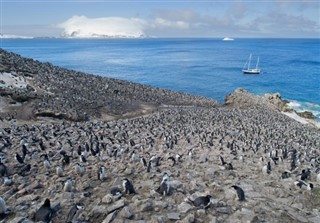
[116,126]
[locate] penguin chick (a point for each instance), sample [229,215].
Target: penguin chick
[240,192]
[74,213]
[44,213]
[128,187]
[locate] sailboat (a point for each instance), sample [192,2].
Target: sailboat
[246,68]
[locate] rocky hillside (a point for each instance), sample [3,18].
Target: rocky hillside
[48,90]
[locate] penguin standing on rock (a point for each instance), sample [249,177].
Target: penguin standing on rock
[74,213]
[44,213]
[128,186]
[68,185]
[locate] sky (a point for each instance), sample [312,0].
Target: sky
[162,18]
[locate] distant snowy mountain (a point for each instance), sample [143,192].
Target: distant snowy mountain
[3,36]
[77,34]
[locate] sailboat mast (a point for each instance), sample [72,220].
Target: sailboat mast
[257,63]
[249,61]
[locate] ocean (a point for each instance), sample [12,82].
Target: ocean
[206,67]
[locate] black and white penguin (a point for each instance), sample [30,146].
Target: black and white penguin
[115,191]
[143,162]
[202,201]
[149,166]
[19,158]
[190,153]
[3,207]
[3,169]
[101,173]
[128,186]
[44,213]
[79,169]
[7,181]
[164,187]
[240,192]
[74,213]
[303,185]
[59,170]
[173,160]
[266,169]
[285,175]
[46,161]
[305,174]
[68,185]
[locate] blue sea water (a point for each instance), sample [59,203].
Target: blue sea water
[207,67]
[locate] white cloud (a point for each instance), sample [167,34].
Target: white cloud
[163,23]
[81,26]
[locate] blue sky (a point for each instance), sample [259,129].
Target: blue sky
[165,18]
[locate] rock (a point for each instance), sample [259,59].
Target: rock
[315,219]
[107,199]
[173,216]
[110,217]
[117,205]
[224,210]
[126,213]
[306,114]
[188,219]
[146,205]
[184,207]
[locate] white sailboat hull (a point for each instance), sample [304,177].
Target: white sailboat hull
[251,71]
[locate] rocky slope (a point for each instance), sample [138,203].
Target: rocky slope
[247,138]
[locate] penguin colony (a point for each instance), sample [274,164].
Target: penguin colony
[148,159]
[189,163]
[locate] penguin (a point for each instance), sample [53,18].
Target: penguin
[303,185]
[266,169]
[305,174]
[173,160]
[149,166]
[23,170]
[46,161]
[74,213]
[101,173]
[178,157]
[79,169]
[190,153]
[68,185]
[7,181]
[240,192]
[202,201]
[285,175]
[222,161]
[19,158]
[133,156]
[83,158]
[59,171]
[3,169]
[143,162]
[164,187]
[65,159]
[44,213]
[115,191]
[128,187]
[3,207]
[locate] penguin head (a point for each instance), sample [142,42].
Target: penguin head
[47,203]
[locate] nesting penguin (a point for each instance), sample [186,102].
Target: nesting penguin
[128,186]
[44,213]
[59,170]
[173,160]
[74,213]
[303,185]
[101,173]
[164,187]
[240,192]
[68,185]
[201,202]
[79,169]
[266,169]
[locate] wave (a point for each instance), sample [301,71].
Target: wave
[305,106]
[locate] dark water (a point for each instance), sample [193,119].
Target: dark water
[207,67]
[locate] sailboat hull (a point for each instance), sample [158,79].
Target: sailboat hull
[251,71]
